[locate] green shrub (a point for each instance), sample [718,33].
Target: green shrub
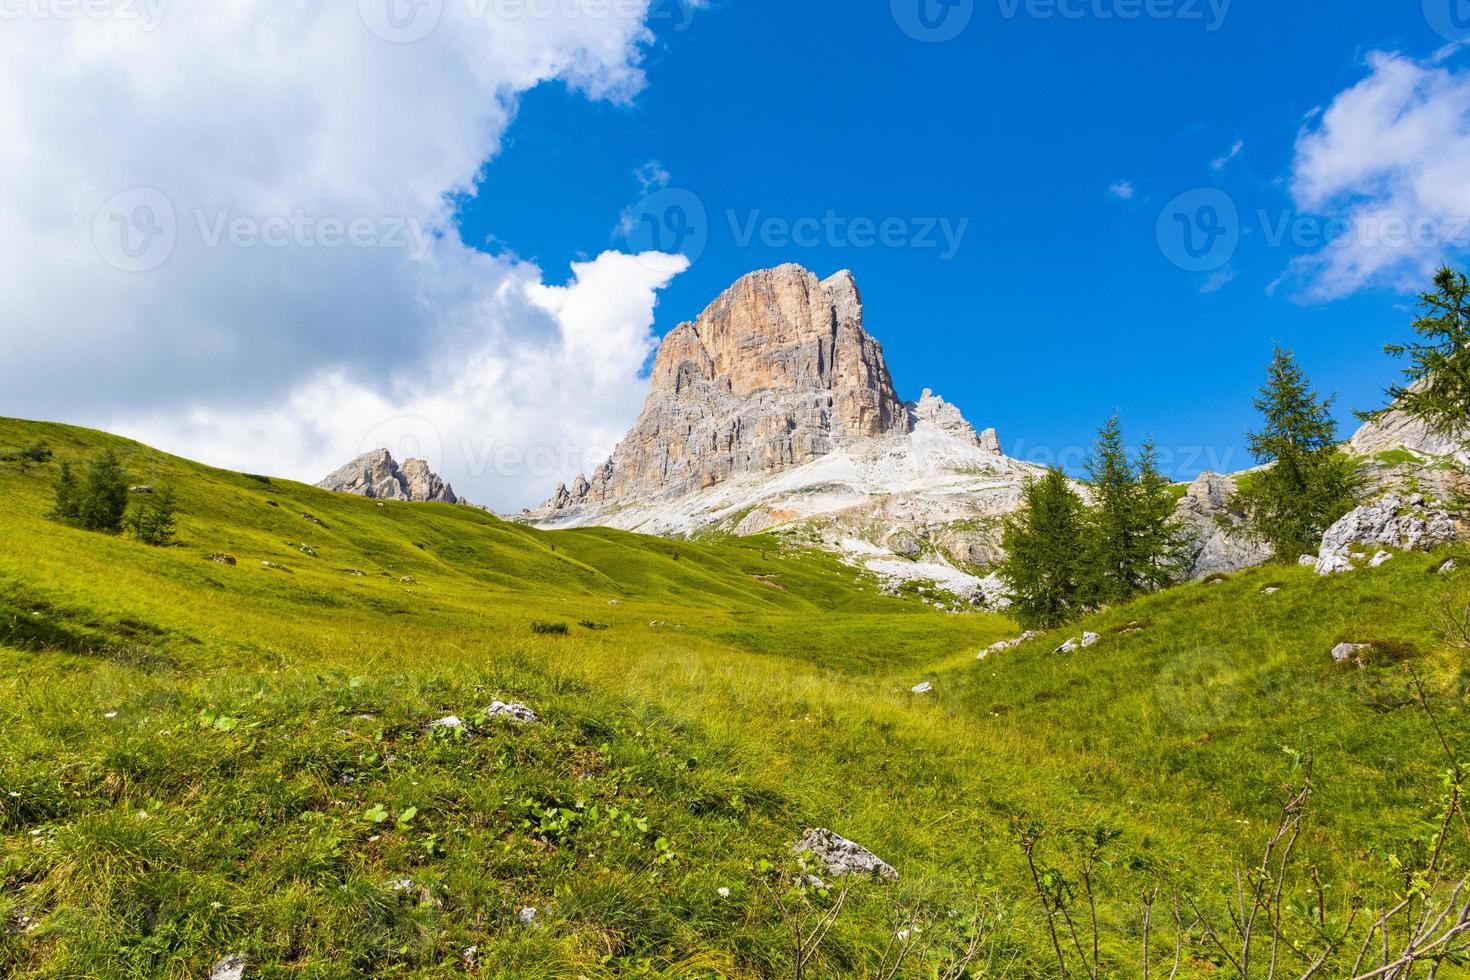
[550,629]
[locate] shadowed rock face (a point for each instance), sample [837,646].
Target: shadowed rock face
[778,371]
[377,476]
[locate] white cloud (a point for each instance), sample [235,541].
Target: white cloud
[1221,162]
[652,176]
[1384,166]
[313,284]
[1123,190]
[1218,280]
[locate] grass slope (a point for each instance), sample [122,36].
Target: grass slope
[198,759]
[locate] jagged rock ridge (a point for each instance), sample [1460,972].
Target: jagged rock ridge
[377,476]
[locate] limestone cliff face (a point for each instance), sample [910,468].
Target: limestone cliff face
[778,371]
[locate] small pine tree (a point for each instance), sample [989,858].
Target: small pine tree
[68,506]
[1309,483]
[1045,566]
[1112,546]
[154,519]
[103,502]
[1133,542]
[1160,541]
[1438,389]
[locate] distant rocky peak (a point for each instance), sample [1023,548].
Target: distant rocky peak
[377,476]
[936,411]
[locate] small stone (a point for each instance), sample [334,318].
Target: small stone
[308,551]
[1071,646]
[471,955]
[1345,652]
[843,857]
[518,713]
[1382,558]
[407,580]
[274,567]
[229,968]
[924,688]
[1333,565]
[223,559]
[452,723]
[1307,561]
[140,489]
[526,916]
[1447,567]
[1270,590]
[1090,639]
[356,574]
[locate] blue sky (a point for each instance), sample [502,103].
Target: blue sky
[1054,208]
[1058,141]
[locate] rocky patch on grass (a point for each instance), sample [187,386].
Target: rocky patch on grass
[1005,645]
[1351,653]
[518,713]
[924,688]
[1394,522]
[229,968]
[1075,644]
[843,857]
[223,559]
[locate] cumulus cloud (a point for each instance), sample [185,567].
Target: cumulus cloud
[229,230]
[1384,168]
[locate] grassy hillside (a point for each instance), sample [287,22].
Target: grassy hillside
[199,759]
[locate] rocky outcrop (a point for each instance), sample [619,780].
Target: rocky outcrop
[377,476]
[1410,523]
[778,371]
[1215,530]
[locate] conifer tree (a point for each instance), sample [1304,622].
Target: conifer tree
[103,501]
[154,521]
[68,506]
[1309,482]
[1045,566]
[1160,541]
[1438,376]
[1112,556]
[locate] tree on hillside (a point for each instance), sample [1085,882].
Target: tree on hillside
[1159,535]
[153,520]
[1438,389]
[1309,482]
[68,505]
[1045,566]
[1132,540]
[102,499]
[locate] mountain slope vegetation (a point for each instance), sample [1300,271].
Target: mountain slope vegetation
[200,759]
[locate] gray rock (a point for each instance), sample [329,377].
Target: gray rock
[1071,646]
[842,857]
[1390,522]
[223,559]
[1090,639]
[451,722]
[518,713]
[1447,567]
[924,688]
[1334,564]
[1215,530]
[140,489]
[526,916]
[377,475]
[1307,561]
[229,968]
[1380,559]
[1346,652]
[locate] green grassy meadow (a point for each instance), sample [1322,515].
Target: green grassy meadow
[199,759]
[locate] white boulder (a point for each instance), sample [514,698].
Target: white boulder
[843,857]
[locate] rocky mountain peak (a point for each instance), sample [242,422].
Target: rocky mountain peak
[935,410]
[378,476]
[776,372]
